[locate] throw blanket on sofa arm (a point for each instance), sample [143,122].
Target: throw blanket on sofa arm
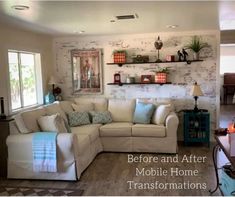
[44,152]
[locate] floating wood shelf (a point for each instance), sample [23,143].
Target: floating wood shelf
[163,62]
[121,84]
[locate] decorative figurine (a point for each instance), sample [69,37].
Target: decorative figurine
[180,55]
[185,54]
[158,45]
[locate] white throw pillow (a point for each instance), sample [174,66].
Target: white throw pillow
[54,123]
[20,124]
[83,107]
[161,113]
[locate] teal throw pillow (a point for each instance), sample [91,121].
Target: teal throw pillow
[143,113]
[78,118]
[101,117]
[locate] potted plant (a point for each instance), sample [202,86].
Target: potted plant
[161,75]
[119,56]
[196,45]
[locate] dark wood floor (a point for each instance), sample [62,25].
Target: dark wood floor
[109,173]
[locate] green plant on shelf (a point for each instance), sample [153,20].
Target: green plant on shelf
[120,51]
[162,70]
[196,44]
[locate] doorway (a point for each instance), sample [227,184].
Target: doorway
[227,84]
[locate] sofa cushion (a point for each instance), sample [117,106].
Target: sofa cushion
[119,129]
[54,123]
[148,130]
[161,113]
[86,107]
[92,130]
[121,110]
[31,117]
[100,104]
[78,118]
[101,117]
[66,106]
[143,113]
[54,109]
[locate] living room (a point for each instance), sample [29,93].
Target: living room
[143,147]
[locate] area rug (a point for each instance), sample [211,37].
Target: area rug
[34,191]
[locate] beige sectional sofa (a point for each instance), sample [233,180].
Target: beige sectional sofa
[76,150]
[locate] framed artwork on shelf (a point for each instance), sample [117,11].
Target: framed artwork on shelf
[87,71]
[146,78]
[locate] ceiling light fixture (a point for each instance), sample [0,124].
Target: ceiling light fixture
[126,17]
[172,26]
[78,32]
[20,7]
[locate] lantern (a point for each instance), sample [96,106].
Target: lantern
[231,137]
[231,126]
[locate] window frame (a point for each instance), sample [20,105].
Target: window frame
[38,81]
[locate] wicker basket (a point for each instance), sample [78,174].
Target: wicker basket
[119,57]
[160,77]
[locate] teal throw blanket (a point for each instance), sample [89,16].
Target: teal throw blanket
[44,152]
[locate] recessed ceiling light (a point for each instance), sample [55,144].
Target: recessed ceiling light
[172,26]
[20,7]
[78,32]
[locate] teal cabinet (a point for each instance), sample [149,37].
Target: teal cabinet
[196,127]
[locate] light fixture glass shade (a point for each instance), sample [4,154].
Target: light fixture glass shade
[196,90]
[53,80]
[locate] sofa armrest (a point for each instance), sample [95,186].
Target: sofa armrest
[172,122]
[20,147]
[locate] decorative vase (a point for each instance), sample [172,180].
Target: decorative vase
[195,55]
[158,45]
[49,98]
[2,115]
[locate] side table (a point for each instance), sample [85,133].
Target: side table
[196,127]
[4,132]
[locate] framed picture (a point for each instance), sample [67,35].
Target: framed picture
[146,78]
[87,71]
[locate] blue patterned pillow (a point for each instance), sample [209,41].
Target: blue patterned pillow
[101,117]
[78,118]
[143,113]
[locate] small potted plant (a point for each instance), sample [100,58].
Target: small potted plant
[161,75]
[119,56]
[196,45]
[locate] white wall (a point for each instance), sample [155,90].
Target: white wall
[182,76]
[13,38]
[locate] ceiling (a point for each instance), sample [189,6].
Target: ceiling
[71,17]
